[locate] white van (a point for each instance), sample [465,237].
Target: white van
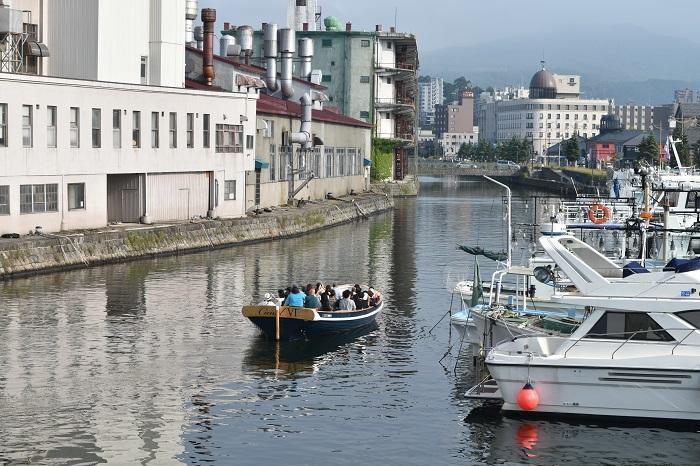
[507,164]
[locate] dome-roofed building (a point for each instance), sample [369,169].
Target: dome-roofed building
[543,85]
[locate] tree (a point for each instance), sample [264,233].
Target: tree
[649,149]
[484,152]
[570,148]
[466,151]
[682,147]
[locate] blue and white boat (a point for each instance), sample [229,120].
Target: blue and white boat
[291,323]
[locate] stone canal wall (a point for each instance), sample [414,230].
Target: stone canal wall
[45,253]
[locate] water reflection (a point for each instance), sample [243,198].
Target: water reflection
[152,363]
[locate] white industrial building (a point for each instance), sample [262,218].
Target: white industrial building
[113,135]
[552,112]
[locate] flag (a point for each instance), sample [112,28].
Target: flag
[477,288]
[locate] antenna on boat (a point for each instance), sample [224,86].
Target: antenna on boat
[510,247]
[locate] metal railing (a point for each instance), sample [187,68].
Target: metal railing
[592,337]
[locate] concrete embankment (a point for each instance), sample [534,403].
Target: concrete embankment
[46,253]
[409,187]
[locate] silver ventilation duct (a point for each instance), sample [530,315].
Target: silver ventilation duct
[244,36]
[226,45]
[270,52]
[304,136]
[287,47]
[306,53]
[199,37]
[191,8]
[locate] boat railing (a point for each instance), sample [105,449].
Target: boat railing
[591,337]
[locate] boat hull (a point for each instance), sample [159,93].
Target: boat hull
[611,391]
[296,323]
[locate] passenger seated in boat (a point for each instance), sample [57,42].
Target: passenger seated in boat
[326,304]
[362,301]
[338,292]
[295,298]
[281,296]
[269,301]
[311,301]
[375,297]
[345,303]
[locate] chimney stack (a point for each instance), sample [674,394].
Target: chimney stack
[378,28]
[209,20]
[227,26]
[392,29]
[348,27]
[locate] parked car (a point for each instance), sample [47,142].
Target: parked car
[507,164]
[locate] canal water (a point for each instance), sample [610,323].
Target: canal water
[150,362]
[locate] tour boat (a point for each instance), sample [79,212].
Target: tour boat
[290,323]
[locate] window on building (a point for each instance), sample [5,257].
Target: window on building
[206,130]
[3,125]
[364,116]
[37,198]
[117,129]
[229,138]
[51,116]
[326,78]
[76,196]
[136,130]
[269,129]
[155,130]
[96,128]
[340,156]
[74,127]
[329,153]
[326,43]
[27,126]
[229,190]
[249,142]
[389,45]
[190,130]
[364,79]
[173,130]
[4,200]
[365,43]
[144,70]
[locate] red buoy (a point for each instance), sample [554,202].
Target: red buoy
[528,399]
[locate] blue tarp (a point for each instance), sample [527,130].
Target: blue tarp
[682,265]
[260,164]
[633,268]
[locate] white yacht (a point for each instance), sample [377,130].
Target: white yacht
[636,355]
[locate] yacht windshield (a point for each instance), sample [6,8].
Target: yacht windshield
[692,317]
[628,325]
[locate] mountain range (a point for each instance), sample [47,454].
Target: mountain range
[627,63]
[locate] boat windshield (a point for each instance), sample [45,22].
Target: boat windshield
[692,317]
[628,325]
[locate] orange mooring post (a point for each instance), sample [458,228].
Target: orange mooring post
[277,324]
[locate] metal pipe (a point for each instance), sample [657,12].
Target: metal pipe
[304,136]
[286,38]
[209,19]
[306,53]
[270,52]
[199,37]
[191,7]
[510,247]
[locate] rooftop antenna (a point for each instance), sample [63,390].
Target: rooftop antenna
[396,15]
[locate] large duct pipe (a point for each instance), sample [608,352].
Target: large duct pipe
[306,53]
[244,36]
[226,45]
[199,37]
[286,38]
[191,7]
[270,52]
[209,19]
[304,136]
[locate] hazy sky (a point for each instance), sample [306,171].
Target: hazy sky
[465,22]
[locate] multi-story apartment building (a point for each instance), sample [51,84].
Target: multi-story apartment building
[639,117]
[431,92]
[686,96]
[552,112]
[120,136]
[457,117]
[370,76]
